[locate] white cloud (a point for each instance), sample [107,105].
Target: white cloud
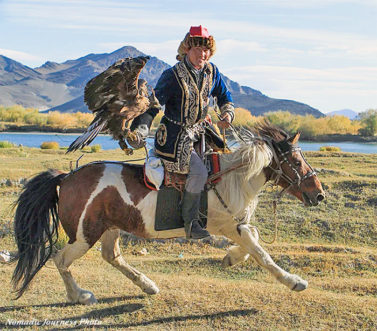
[165,50]
[316,3]
[325,89]
[20,56]
[233,45]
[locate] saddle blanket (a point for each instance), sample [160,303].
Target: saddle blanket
[168,209]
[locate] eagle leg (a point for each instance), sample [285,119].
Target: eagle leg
[124,147]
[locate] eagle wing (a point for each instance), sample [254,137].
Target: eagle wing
[115,96]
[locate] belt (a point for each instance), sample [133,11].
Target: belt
[200,122]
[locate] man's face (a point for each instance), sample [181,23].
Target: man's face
[198,56]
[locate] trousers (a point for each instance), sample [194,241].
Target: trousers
[197,176]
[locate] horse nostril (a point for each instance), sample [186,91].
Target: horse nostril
[320,197]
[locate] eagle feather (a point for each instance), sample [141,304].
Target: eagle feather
[116,96]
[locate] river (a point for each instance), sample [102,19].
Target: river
[35,140]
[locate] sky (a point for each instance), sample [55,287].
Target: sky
[319,52]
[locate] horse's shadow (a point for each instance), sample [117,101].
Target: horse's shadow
[98,314]
[164,320]
[67,304]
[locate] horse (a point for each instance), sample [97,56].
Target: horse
[97,200]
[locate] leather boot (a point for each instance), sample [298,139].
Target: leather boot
[190,215]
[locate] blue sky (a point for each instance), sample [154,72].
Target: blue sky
[320,52]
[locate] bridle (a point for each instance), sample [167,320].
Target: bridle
[280,151]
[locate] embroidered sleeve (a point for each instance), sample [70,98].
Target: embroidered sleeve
[228,108]
[224,97]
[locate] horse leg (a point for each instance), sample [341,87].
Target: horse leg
[236,254]
[63,260]
[248,240]
[111,253]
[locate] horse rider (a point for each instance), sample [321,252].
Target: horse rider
[185,90]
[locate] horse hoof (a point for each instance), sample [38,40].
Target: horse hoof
[226,262]
[87,298]
[300,285]
[148,286]
[151,290]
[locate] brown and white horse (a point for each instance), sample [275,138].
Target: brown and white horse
[98,199]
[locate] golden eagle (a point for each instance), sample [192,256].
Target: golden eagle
[116,97]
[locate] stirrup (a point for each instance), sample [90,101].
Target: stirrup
[195,231]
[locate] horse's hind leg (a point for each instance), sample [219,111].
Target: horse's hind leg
[111,253]
[63,260]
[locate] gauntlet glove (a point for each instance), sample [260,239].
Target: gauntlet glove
[136,139]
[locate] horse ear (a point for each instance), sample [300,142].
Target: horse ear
[294,139]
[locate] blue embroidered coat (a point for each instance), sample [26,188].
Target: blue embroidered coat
[186,107]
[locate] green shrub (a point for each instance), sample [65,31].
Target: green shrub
[95,148]
[6,144]
[50,145]
[330,149]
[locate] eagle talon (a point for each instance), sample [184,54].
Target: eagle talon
[123,146]
[128,151]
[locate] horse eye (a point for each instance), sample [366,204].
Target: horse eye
[298,163]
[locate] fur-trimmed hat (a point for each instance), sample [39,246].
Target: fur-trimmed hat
[198,36]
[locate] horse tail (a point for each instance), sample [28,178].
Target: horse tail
[35,234]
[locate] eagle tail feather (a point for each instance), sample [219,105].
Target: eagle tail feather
[88,136]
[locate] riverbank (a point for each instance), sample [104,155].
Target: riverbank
[342,138]
[6,128]
[54,130]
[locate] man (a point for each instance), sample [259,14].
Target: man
[185,90]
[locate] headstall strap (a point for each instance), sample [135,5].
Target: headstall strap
[279,160]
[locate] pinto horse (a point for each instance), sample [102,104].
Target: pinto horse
[99,199]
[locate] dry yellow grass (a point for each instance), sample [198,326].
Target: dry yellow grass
[196,295]
[332,246]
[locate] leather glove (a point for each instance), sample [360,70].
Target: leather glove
[136,139]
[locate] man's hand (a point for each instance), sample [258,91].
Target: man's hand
[225,121]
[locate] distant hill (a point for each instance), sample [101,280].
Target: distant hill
[60,86]
[351,114]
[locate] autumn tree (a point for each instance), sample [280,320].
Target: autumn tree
[368,121]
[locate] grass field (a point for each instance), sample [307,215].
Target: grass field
[333,246]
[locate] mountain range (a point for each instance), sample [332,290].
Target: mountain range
[351,114]
[60,86]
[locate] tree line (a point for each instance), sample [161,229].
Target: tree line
[308,125]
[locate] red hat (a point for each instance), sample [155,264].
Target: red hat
[199,31]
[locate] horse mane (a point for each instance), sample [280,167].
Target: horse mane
[238,188]
[266,129]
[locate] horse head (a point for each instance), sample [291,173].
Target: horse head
[289,168]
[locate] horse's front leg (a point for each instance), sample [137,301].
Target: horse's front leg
[248,241]
[237,254]
[111,253]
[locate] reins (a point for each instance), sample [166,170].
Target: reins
[279,160]
[212,186]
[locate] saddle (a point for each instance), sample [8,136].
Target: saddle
[178,181]
[168,209]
